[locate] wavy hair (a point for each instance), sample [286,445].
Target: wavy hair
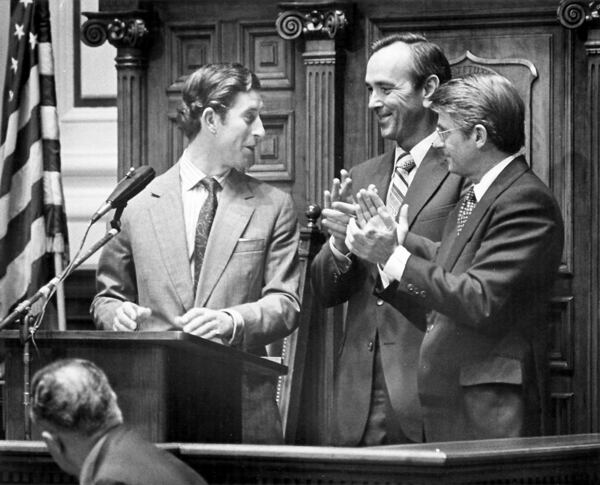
[74,395]
[214,86]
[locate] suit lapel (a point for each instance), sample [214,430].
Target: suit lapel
[169,226]
[428,178]
[233,214]
[380,175]
[449,252]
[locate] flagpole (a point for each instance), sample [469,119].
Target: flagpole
[60,293]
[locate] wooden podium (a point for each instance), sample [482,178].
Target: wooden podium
[171,386]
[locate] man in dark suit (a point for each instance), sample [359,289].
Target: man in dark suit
[77,413]
[482,293]
[206,248]
[376,398]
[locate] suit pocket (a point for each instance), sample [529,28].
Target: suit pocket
[493,400]
[249,245]
[497,370]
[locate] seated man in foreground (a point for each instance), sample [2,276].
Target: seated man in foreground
[77,413]
[483,291]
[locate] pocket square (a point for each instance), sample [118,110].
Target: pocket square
[246,245]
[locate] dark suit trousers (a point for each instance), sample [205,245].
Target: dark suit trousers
[382,427]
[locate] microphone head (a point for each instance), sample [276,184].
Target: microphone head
[133,183]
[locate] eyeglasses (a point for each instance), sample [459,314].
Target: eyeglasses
[443,134]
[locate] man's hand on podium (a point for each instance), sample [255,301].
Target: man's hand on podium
[206,323]
[129,316]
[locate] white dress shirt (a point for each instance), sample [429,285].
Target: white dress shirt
[193,195]
[395,265]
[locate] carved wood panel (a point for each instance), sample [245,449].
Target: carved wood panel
[189,45]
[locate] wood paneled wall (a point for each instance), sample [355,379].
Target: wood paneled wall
[317,122]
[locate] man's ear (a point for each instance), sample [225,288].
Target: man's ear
[481,135]
[429,87]
[209,120]
[53,442]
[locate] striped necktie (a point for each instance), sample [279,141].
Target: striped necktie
[205,220]
[466,207]
[399,183]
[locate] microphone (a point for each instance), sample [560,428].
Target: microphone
[128,187]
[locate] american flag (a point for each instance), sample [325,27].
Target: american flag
[33,229]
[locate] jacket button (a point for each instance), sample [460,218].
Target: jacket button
[370,346]
[379,302]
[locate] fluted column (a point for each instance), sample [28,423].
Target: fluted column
[584,16]
[322,27]
[129,33]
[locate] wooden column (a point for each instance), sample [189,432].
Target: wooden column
[584,16]
[321,26]
[129,33]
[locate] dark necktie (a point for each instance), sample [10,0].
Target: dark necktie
[467,205]
[205,220]
[399,183]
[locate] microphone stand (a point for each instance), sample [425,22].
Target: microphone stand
[21,312]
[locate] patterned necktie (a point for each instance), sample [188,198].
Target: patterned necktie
[399,183]
[466,207]
[205,220]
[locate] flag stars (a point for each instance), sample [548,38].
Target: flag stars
[32,40]
[19,31]
[14,64]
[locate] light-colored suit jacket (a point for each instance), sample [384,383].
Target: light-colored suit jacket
[250,264]
[431,196]
[482,298]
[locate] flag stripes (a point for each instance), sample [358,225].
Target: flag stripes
[32,216]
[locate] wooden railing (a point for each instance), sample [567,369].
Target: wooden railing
[556,460]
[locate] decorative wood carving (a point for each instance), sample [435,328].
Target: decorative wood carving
[574,14]
[189,46]
[266,54]
[129,32]
[585,15]
[592,48]
[275,155]
[294,349]
[312,20]
[521,72]
[322,26]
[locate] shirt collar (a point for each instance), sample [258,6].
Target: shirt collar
[419,151]
[191,175]
[488,178]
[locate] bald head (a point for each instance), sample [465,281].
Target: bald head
[74,395]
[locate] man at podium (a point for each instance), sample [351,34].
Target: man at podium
[207,249]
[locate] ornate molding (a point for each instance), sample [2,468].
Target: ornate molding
[320,58]
[121,29]
[469,56]
[573,14]
[313,20]
[592,47]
